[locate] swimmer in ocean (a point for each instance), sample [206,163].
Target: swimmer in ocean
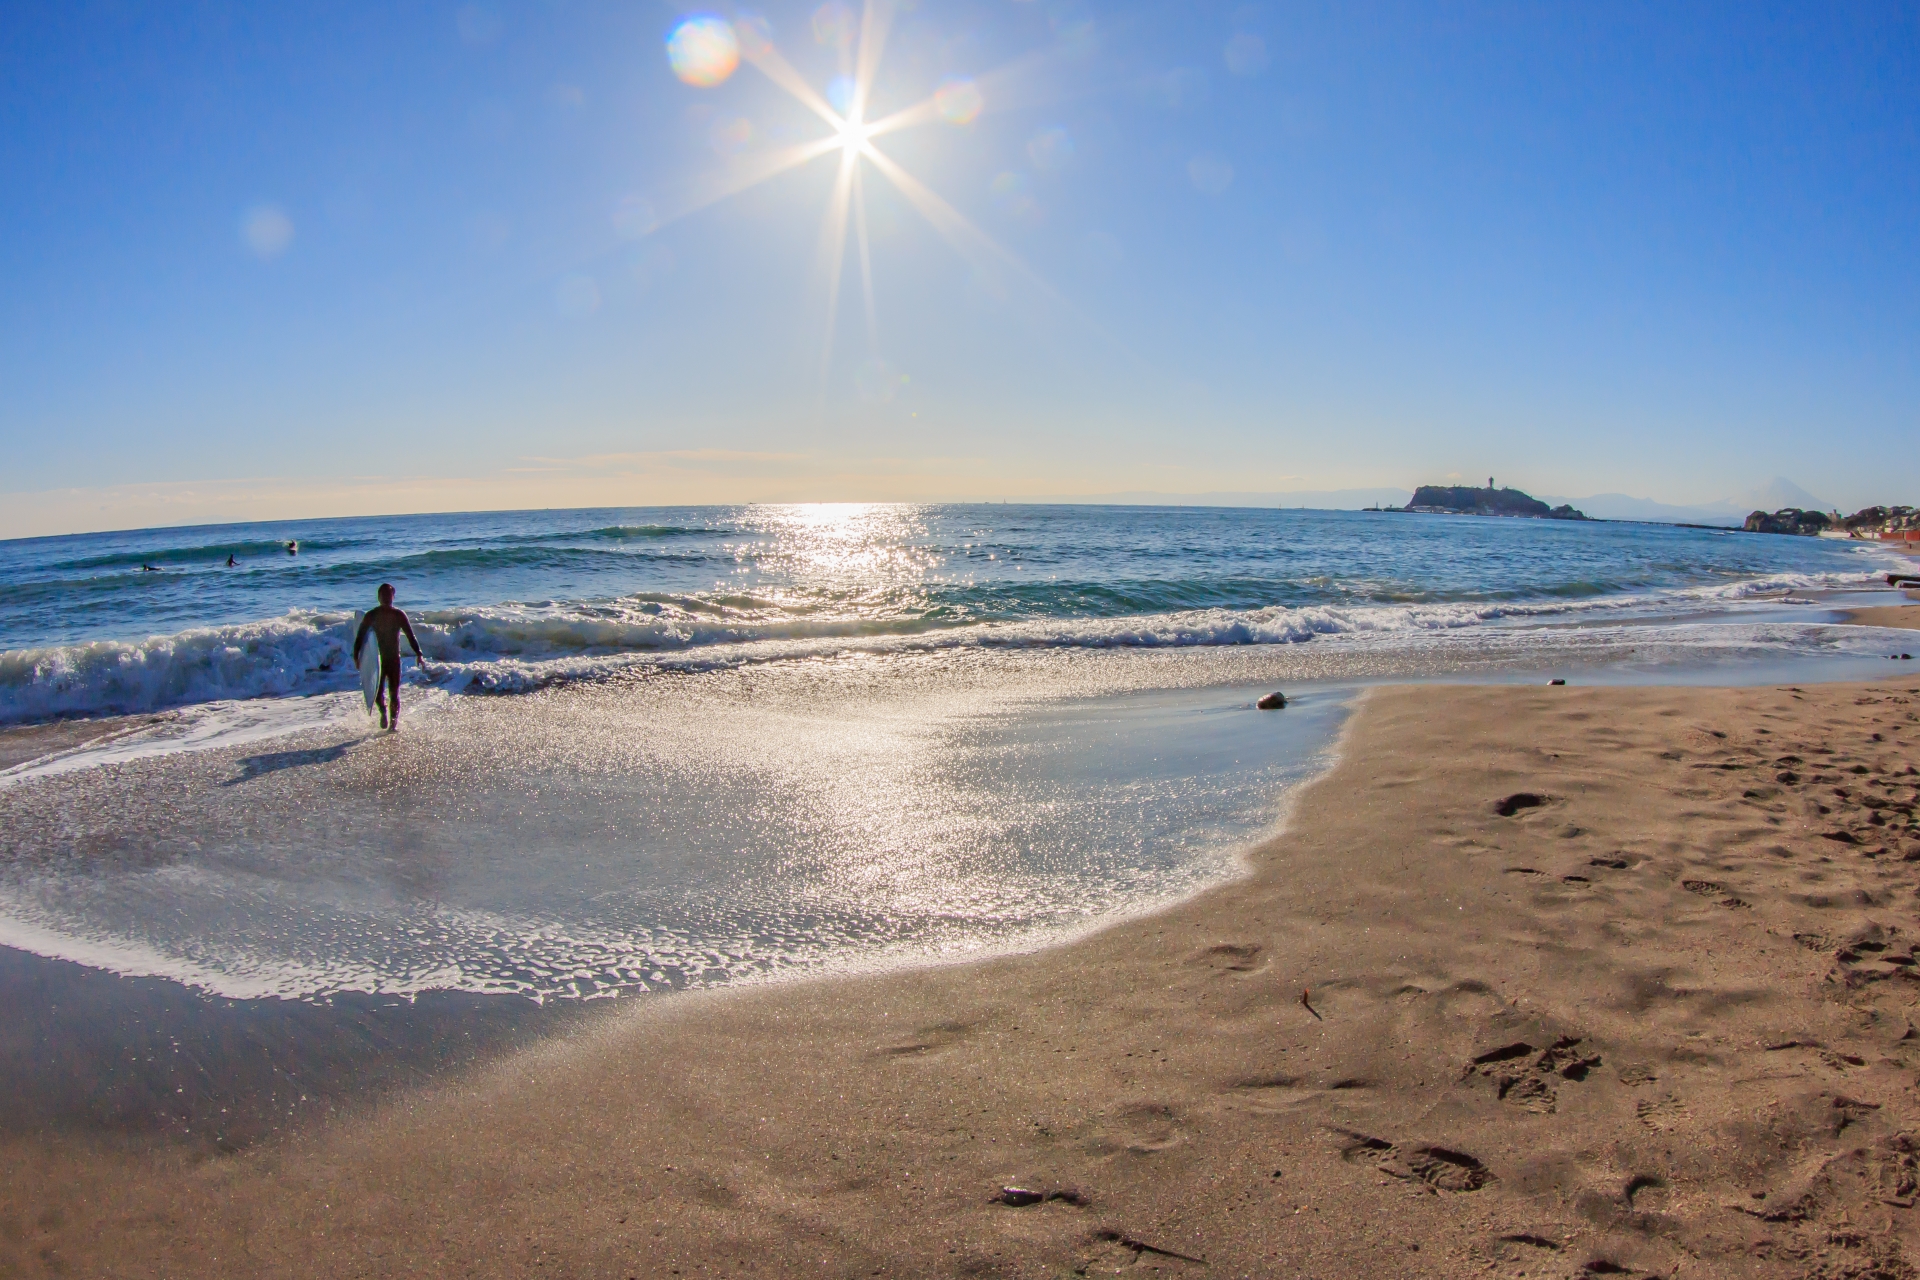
[387,624]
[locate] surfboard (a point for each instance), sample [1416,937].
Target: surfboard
[370,672]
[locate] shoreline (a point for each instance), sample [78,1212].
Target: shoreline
[1904,617]
[1312,1068]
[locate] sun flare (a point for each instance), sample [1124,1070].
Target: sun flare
[853,134]
[703,50]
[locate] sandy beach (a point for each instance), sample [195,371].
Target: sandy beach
[1904,616]
[1539,981]
[881,640]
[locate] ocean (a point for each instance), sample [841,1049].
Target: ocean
[660,748]
[510,602]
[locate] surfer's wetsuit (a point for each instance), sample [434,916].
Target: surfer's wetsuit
[387,623]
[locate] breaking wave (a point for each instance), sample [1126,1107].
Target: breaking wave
[518,648]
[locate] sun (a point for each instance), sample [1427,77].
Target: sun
[704,50]
[853,135]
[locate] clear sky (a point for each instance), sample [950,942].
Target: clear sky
[290,260]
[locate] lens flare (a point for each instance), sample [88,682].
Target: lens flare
[703,51]
[878,382]
[266,230]
[754,33]
[1012,195]
[730,135]
[834,24]
[1050,148]
[958,100]
[634,217]
[840,91]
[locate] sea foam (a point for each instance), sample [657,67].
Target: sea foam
[520,648]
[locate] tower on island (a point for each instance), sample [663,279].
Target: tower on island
[1489,484]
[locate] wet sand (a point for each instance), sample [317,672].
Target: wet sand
[22,743]
[1904,616]
[1541,981]
[135,1064]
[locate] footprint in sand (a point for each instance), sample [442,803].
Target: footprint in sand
[927,1040]
[1429,1168]
[1662,1115]
[1524,1245]
[1713,889]
[1507,806]
[1233,957]
[1277,1093]
[1143,1129]
[1896,1170]
[1608,1267]
[1523,1074]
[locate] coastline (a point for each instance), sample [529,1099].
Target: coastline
[1717,1073]
[1905,617]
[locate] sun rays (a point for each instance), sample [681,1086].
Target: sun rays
[704,51]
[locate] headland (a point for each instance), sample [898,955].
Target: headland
[1466,500]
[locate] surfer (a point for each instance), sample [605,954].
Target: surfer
[387,623]
[232,563]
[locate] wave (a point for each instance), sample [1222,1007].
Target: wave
[530,555]
[200,553]
[108,589]
[296,654]
[614,533]
[517,648]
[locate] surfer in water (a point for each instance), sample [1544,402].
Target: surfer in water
[387,623]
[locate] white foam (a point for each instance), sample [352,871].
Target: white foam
[518,648]
[211,726]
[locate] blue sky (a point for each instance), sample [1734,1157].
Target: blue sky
[302,260]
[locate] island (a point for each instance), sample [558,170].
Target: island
[1466,500]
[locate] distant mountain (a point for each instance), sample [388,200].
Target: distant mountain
[1772,496]
[1732,511]
[1620,506]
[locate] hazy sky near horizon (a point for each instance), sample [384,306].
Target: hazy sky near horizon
[299,260]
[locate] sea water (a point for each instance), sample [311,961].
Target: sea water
[670,747]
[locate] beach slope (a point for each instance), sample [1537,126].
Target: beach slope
[1542,981]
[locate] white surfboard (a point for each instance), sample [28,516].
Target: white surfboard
[370,672]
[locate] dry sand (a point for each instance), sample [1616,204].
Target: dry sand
[1655,1020]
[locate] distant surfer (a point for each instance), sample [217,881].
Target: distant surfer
[232,563]
[293,548]
[387,623]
